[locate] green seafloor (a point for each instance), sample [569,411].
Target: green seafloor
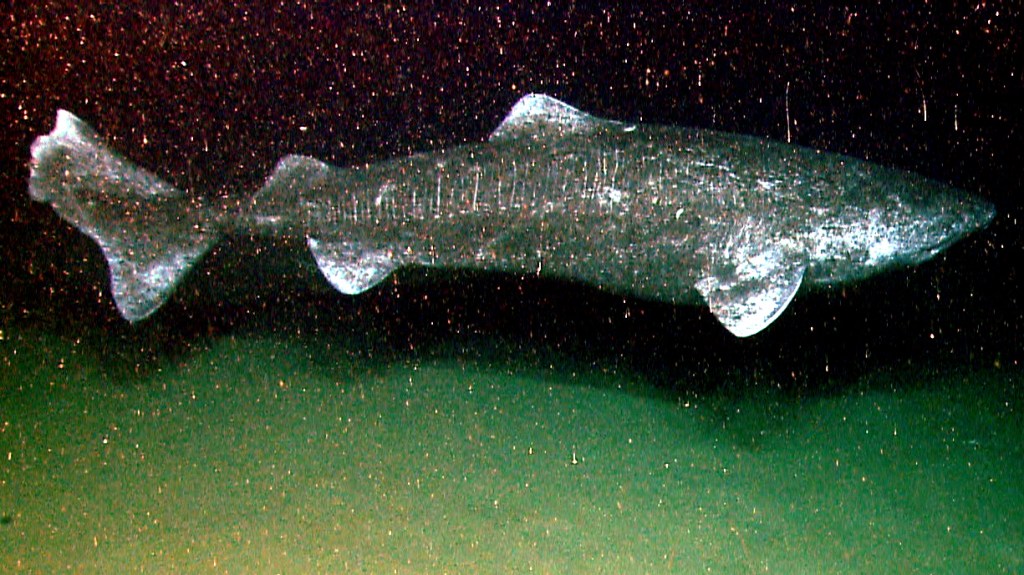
[252,452]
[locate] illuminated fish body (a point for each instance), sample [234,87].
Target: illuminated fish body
[660,212]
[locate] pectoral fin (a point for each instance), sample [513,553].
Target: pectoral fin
[748,294]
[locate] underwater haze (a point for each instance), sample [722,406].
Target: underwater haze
[460,421]
[248,455]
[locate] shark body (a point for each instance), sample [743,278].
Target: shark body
[660,212]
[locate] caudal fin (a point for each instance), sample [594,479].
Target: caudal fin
[149,232]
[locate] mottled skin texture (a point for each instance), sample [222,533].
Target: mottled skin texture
[660,212]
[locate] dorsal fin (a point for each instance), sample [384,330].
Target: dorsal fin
[537,115]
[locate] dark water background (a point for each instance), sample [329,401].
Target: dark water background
[211,96]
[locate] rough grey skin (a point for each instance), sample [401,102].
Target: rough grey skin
[661,212]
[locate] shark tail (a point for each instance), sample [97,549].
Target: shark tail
[149,232]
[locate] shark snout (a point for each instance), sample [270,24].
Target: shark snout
[962,214]
[956,215]
[978,214]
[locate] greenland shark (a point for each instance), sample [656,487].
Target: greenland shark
[659,212]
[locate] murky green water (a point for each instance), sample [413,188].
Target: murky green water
[259,454]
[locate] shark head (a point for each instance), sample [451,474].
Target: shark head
[889,218]
[841,220]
